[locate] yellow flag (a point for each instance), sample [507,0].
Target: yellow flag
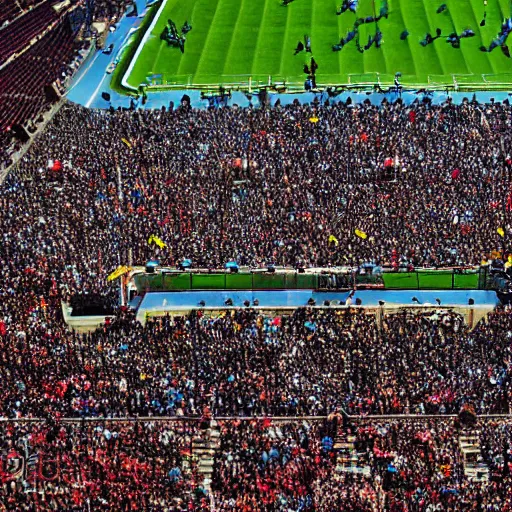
[501,232]
[118,272]
[314,119]
[127,142]
[361,234]
[333,239]
[158,241]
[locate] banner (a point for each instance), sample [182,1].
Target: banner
[118,272]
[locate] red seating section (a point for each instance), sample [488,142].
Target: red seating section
[19,33]
[22,82]
[10,9]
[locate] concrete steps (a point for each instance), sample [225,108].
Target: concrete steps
[474,467]
[204,448]
[348,460]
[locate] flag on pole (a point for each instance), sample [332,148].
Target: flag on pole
[127,142]
[483,121]
[157,241]
[118,272]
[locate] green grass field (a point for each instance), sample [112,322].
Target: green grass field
[233,40]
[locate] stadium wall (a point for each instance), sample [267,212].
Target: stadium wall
[418,280]
[226,281]
[433,280]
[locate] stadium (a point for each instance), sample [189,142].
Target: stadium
[253,45]
[256,255]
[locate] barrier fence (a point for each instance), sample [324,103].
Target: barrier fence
[437,280]
[187,281]
[252,83]
[473,279]
[276,419]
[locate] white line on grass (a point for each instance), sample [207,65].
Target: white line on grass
[124,81]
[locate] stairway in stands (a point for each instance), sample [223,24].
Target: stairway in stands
[204,447]
[347,457]
[474,467]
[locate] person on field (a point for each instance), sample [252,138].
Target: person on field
[343,41]
[307,43]
[186,28]
[347,5]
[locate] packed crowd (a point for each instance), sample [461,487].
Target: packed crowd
[254,186]
[432,365]
[312,362]
[260,186]
[419,465]
[99,466]
[108,10]
[260,466]
[394,466]
[263,466]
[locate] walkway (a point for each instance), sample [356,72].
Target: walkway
[299,298]
[92,79]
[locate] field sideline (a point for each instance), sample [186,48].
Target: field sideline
[232,40]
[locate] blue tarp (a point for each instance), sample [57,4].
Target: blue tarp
[298,298]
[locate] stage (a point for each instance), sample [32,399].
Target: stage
[161,303]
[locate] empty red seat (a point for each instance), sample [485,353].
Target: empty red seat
[17,34]
[22,82]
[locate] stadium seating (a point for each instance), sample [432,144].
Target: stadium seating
[22,82]
[10,9]
[264,409]
[17,35]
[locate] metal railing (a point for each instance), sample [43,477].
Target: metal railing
[438,279]
[376,81]
[275,419]
[291,279]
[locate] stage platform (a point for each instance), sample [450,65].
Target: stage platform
[161,303]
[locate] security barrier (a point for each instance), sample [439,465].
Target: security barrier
[226,281]
[450,279]
[473,279]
